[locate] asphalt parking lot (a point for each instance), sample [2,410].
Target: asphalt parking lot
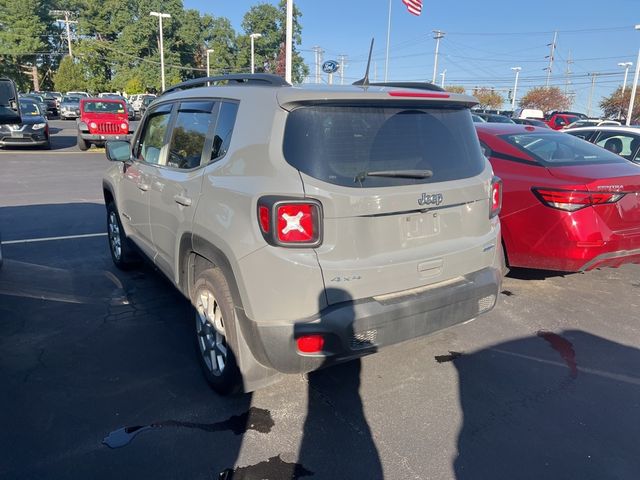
[544,386]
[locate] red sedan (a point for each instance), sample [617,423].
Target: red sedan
[568,205]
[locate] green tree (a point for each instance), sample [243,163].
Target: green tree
[69,76]
[25,28]
[270,21]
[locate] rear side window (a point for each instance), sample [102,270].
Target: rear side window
[558,149]
[224,129]
[189,133]
[341,144]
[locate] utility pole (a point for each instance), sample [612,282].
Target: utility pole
[343,64]
[375,71]
[550,57]
[437,35]
[626,66]
[160,17]
[209,51]
[515,88]
[567,74]
[253,37]
[444,72]
[318,52]
[593,86]
[67,22]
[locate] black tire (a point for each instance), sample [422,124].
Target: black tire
[82,144]
[122,253]
[505,261]
[216,337]
[47,146]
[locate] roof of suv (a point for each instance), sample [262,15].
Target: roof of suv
[289,95]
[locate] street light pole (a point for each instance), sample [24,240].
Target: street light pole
[635,86]
[289,41]
[515,87]
[444,72]
[209,51]
[626,66]
[253,36]
[160,17]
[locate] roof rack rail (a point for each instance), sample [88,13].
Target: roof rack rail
[265,79]
[416,85]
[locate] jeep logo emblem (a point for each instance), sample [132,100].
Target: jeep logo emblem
[435,199]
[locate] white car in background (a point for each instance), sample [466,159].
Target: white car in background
[621,140]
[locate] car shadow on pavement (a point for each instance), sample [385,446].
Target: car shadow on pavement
[549,406]
[534,274]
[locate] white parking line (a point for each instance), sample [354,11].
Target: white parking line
[49,239]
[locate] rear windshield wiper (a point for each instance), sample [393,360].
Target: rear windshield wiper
[394,173]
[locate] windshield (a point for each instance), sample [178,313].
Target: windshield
[352,145]
[29,108]
[70,99]
[103,107]
[560,149]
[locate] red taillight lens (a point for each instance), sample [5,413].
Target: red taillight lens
[295,223]
[572,200]
[288,222]
[265,218]
[310,343]
[496,197]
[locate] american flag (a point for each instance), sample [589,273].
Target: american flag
[414,6]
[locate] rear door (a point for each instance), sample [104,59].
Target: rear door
[404,192]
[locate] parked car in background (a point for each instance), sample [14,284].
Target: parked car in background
[146,101]
[477,118]
[32,131]
[101,119]
[558,121]
[530,121]
[528,113]
[42,104]
[493,118]
[623,141]
[70,107]
[568,205]
[591,122]
[131,114]
[369,211]
[52,104]
[78,94]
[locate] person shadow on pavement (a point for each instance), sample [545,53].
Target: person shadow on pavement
[559,406]
[337,441]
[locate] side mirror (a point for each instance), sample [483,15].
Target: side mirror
[9,105]
[118,150]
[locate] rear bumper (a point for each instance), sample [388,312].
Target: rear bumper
[357,328]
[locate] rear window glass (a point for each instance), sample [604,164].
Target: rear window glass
[559,149]
[341,144]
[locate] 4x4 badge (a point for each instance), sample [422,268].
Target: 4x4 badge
[435,199]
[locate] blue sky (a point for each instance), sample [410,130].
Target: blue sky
[483,40]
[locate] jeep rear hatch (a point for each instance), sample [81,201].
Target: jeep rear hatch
[404,190]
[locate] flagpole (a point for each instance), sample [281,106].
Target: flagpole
[386,61]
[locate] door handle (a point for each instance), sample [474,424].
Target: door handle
[143,186]
[182,200]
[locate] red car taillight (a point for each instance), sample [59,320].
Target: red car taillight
[572,200]
[496,197]
[288,222]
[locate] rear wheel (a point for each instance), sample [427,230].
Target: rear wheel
[82,144]
[216,332]
[122,253]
